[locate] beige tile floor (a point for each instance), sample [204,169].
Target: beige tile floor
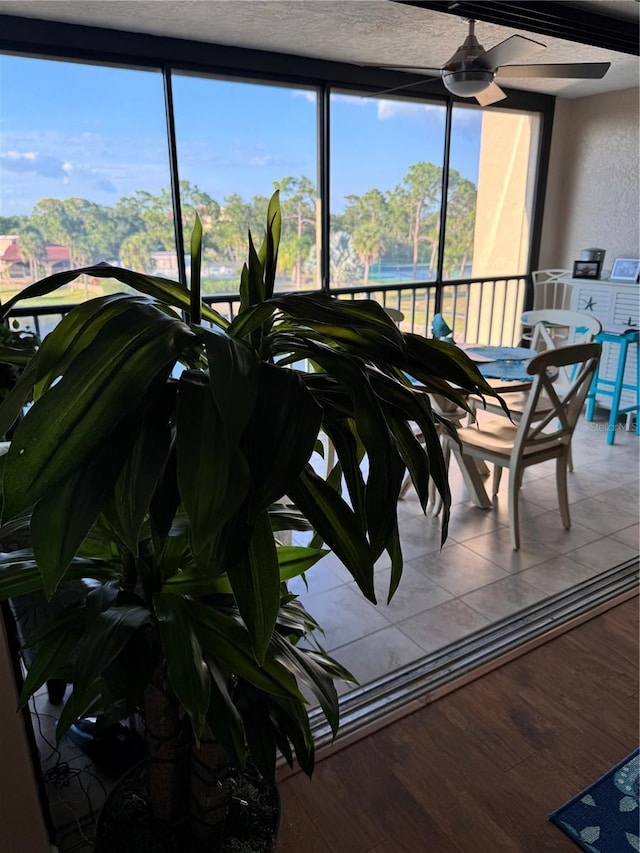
[476,578]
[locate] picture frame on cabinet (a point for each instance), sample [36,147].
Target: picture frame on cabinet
[625,269]
[586,269]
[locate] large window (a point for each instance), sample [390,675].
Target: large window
[386,189]
[236,143]
[86,176]
[490,200]
[84,173]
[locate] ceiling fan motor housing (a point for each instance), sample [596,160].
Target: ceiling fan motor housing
[461,75]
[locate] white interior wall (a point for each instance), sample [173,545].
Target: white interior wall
[22,827]
[593,190]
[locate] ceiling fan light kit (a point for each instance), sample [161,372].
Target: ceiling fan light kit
[468,82]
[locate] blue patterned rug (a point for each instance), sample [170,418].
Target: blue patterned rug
[605,817]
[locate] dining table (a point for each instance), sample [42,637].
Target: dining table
[505,369]
[499,364]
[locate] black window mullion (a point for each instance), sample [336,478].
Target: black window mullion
[324,98]
[443,206]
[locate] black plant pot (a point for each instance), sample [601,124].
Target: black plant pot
[126,823]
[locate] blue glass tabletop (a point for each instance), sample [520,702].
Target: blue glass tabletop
[505,370]
[500,353]
[505,363]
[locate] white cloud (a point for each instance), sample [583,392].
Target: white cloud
[392,108]
[20,155]
[308,96]
[354,100]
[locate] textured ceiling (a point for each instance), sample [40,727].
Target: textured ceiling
[364,31]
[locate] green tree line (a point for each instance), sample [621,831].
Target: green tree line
[400,225]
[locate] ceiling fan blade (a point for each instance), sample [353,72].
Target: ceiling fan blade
[377,94]
[490,95]
[514,47]
[418,69]
[578,70]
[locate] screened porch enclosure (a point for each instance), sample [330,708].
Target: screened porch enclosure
[427,205]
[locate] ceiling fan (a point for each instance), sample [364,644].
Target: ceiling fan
[471,70]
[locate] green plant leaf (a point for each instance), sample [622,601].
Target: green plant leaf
[349,454]
[139,476]
[129,673]
[213,475]
[107,634]
[260,733]
[13,403]
[280,437]
[382,486]
[250,319]
[285,516]
[307,666]
[415,458]
[337,525]
[227,640]
[256,585]
[81,703]
[193,582]
[252,290]
[408,402]
[62,519]
[340,315]
[233,376]
[53,651]
[268,253]
[431,361]
[291,723]
[166,497]
[76,331]
[105,383]
[186,670]
[224,718]
[170,292]
[395,552]
[294,560]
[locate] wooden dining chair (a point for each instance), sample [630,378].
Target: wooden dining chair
[534,439]
[396,315]
[551,328]
[551,288]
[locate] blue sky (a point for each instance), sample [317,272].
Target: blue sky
[68,129]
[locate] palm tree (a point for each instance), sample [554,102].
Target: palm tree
[32,248]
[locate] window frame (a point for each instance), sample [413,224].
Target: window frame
[78,43]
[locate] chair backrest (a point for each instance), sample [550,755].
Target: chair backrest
[562,405]
[551,288]
[553,327]
[396,315]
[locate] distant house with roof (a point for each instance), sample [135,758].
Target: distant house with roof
[15,267]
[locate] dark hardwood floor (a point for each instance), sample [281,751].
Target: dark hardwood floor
[479,770]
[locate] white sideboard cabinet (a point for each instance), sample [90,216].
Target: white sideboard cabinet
[617,303]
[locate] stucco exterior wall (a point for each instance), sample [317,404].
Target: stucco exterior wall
[501,234]
[593,190]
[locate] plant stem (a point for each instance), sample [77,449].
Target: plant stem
[209,784]
[167,740]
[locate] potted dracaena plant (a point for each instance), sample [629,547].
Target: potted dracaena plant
[165,459]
